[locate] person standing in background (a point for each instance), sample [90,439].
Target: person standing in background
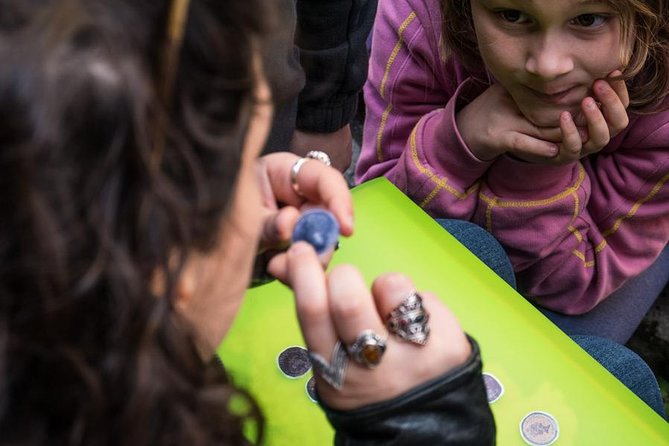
[321,60]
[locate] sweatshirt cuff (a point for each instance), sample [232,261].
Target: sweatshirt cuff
[327,118]
[510,177]
[450,151]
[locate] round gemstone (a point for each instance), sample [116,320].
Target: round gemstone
[372,353]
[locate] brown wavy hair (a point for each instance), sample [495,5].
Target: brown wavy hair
[89,353]
[644,56]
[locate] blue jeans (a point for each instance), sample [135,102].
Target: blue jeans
[622,362]
[620,314]
[627,366]
[483,245]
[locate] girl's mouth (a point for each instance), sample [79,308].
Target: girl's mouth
[556,96]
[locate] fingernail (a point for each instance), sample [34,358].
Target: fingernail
[566,117]
[590,103]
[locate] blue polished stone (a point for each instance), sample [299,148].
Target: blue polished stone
[317,227]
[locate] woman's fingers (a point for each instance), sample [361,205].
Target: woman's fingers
[323,185]
[356,360]
[307,279]
[390,290]
[278,266]
[446,343]
[277,228]
[317,184]
[352,305]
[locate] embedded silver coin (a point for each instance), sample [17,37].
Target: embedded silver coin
[493,387]
[310,388]
[293,362]
[539,429]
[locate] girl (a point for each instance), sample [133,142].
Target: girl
[545,123]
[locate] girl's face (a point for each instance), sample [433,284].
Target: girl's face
[214,283]
[547,54]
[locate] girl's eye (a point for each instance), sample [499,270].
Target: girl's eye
[589,20]
[513,16]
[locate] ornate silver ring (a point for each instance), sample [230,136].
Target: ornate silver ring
[367,349]
[332,372]
[409,320]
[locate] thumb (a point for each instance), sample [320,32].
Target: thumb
[277,228]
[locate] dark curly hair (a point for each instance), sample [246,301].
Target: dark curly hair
[645,43]
[90,352]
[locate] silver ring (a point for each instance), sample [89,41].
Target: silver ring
[409,320]
[293,175]
[332,372]
[295,169]
[367,349]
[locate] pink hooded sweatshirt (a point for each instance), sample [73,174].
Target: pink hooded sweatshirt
[575,233]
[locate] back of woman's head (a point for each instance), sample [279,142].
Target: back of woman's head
[104,182]
[644,51]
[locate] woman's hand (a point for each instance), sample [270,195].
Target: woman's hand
[319,186]
[339,307]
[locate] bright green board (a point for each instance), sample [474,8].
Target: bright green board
[539,366]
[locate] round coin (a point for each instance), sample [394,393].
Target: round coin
[310,388]
[293,362]
[317,227]
[539,429]
[493,387]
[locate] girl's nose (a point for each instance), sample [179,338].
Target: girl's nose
[549,58]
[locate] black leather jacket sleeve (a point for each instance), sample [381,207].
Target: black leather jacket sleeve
[449,410]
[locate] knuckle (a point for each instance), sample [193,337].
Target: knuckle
[313,309]
[621,125]
[515,142]
[392,286]
[388,280]
[347,308]
[345,285]
[602,140]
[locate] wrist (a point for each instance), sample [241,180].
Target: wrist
[471,136]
